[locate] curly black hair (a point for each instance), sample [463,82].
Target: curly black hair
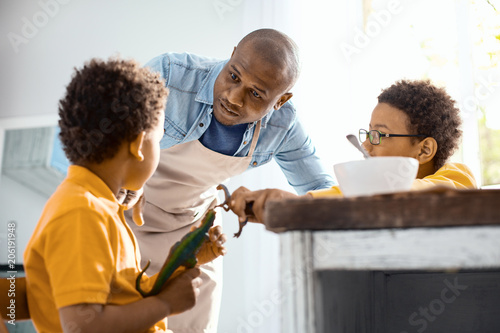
[431,111]
[108,102]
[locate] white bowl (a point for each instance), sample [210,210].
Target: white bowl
[376,175]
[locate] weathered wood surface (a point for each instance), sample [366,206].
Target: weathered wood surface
[448,248]
[437,208]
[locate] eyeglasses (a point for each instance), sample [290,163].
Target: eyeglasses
[376,136]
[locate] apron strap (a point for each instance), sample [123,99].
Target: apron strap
[255,138]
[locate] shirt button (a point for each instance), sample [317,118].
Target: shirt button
[201,125]
[254,163]
[244,142]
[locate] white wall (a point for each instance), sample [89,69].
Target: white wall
[24,212]
[32,80]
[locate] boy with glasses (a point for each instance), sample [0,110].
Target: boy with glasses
[412,119]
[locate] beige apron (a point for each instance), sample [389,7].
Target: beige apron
[179,193]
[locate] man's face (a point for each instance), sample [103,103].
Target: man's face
[248,88]
[390,120]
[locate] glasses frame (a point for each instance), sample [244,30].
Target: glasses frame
[384,135]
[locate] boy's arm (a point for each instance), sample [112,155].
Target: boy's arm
[178,296]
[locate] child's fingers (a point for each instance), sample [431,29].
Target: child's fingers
[221,240]
[221,251]
[217,237]
[212,247]
[218,250]
[215,232]
[193,272]
[197,282]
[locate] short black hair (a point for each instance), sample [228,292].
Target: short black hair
[277,48]
[431,111]
[108,102]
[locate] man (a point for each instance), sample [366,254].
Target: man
[222,118]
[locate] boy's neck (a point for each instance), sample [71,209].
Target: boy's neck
[112,171]
[425,170]
[108,173]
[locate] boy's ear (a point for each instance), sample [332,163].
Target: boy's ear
[135,146]
[427,150]
[283,99]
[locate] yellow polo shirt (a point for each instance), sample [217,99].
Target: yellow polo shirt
[453,175]
[82,251]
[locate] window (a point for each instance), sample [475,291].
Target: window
[364,46]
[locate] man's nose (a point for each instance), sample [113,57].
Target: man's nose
[235,96]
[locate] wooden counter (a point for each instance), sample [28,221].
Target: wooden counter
[368,264]
[437,208]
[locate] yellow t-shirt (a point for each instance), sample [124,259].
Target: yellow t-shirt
[454,175]
[82,251]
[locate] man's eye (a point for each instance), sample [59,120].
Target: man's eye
[256,94]
[234,77]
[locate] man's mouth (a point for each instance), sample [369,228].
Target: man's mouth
[228,110]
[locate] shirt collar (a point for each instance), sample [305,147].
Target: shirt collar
[206,93]
[95,185]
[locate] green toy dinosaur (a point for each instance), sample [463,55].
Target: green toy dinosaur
[183,253]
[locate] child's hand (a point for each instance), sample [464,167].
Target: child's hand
[181,291]
[213,246]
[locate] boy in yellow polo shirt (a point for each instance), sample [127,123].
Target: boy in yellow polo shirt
[82,259]
[412,119]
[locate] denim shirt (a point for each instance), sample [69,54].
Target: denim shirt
[190,79]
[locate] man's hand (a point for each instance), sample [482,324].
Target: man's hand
[181,291]
[213,246]
[243,196]
[135,200]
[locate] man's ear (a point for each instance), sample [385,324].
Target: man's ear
[135,146]
[427,150]
[283,99]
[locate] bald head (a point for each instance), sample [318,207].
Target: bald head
[277,49]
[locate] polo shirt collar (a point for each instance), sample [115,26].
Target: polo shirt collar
[95,185]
